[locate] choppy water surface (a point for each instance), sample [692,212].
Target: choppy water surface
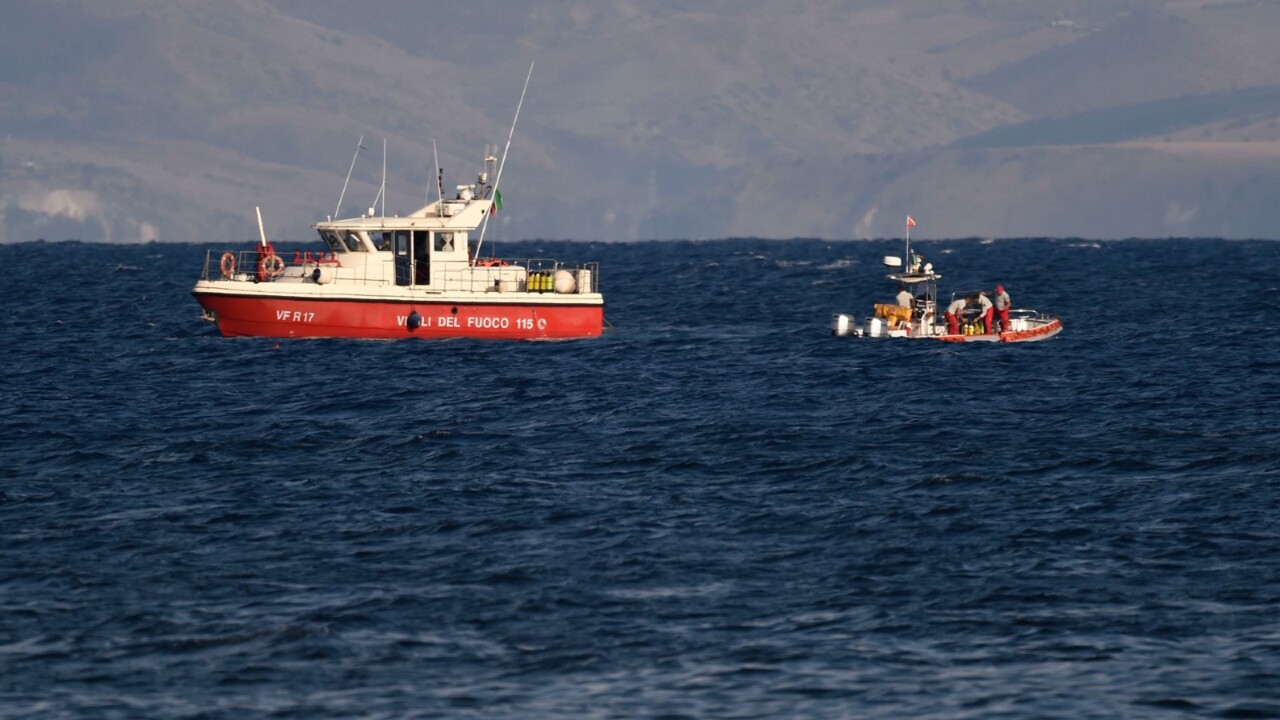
[715,510]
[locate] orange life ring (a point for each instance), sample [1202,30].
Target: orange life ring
[228,265]
[491,262]
[273,265]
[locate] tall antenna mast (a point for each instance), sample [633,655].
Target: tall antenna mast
[439,179]
[503,163]
[382,189]
[911,222]
[359,145]
[490,191]
[436,155]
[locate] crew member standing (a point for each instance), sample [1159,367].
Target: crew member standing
[954,311]
[904,297]
[1003,303]
[985,310]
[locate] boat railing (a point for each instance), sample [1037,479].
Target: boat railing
[528,275]
[1029,314]
[237,265]
[525,275]
[251,266]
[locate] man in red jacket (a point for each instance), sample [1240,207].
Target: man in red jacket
[954,311]
[1002,303]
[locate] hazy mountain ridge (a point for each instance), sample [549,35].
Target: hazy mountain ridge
[981,117]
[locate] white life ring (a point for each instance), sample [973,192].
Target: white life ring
[273,265]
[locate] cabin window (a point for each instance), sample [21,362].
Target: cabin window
[381,239]
[444,242]
[352,241]
[331,240]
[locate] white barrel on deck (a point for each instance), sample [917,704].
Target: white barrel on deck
[584,280]
[565,282]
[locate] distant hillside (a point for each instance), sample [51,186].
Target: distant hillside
[1156,119]
[141,119]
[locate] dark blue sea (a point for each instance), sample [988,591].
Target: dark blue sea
[716,510]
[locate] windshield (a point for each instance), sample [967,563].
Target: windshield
[331,240]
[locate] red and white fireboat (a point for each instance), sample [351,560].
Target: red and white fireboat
[415,275]
[403,276]
[916,315]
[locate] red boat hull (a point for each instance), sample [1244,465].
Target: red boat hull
[1040,332]
[258,316]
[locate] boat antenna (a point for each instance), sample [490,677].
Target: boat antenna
[262,233]
[487,191]
[503,163]
[439,176]
[382,189]
[911,222]
[439,180]
[359,147]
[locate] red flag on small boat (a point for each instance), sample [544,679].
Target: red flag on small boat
[911,222]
